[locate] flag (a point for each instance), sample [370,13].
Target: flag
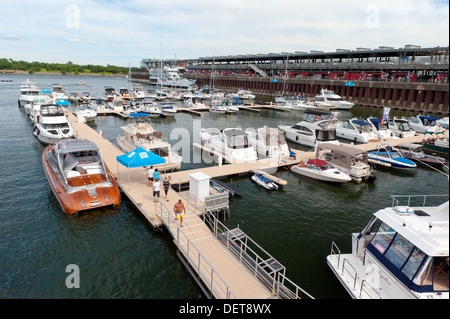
[385,115]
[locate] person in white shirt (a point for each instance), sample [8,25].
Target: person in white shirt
[150,173]
[156,190]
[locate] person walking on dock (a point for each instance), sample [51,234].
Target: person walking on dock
[150,173]
[179,211]
[166,185]
[156,190]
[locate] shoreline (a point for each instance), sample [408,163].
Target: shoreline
[21,72]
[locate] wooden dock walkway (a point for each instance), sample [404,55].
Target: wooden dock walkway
[208,260]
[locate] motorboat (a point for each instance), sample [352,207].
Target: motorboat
[350,159]
[28,91]
[294,103]
[401,127]
[110,93]
[268,142]
[357,131]
[137,91]
[264,182]
[58,92]
[415,153]
[151,108]
[168,109]
[38,100]
[381,129]
[424,123]
[316,127]
[193,101]
[218,107]
[321,170]
[319,104]
[78,176]
[86,110]
[438,145]
[245,95]
[51,124]
[117,103]
[85,97]
[139,133]
[402,253]
[74,97]
[443,122]
[124,93]
[169,77]
[335,101]
[231,143]
[385,155]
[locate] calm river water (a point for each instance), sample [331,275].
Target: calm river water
[120,255]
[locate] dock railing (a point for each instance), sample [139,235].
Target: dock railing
[395,199]
[265,268]
[205,272]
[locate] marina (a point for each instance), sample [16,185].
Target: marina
[133,183]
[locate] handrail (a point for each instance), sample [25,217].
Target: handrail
[364,283]
[256,266]
[395,200]
[207,277]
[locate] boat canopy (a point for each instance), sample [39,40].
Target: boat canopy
[317,162]
[138,114]
[75,145]
[343,155]
[412,146]
[359,122]
[140,157]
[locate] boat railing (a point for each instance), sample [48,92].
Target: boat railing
[205,271]
[395,198]
[365,283]
[265,268]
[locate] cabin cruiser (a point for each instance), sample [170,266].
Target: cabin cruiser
[268,142]
[58,92]
[294,103]
[85,97]
[401,127]
[351,159]
[137,92]
[385,155]
[110,93]
[218,107]
[28,91]
[51,125]
[232,143]
[437,145]
[193,101]
[424,123]
[335,101]
[243,94]
[78,176]
[443,122]
[381,129]
[74,97]
[170,77]
[414,152]
[401,254]
[86,111]
[139,133]
[356,131]
[124,93]
[316,127]
[39,100]
[151,108]
[168,109]
[322,171]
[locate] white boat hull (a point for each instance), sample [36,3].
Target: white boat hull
[329,175]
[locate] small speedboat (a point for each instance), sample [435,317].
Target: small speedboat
[264,182]
[414,153]
[168,109]
[386,156]
[78,176]
[321,170]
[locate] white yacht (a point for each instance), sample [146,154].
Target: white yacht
[124,93]
[110,93]
[294,103]
[243,94]
[51,125]
[315,127]
[269,142]
[58,92]
[232,143]
[151,108]
[86,110]
[169,77]
[193,101]
[381,129]
[38,100]
[401,127]
[218,107]
[28,91]
[357,131]
[139,133]
[336,101]
[401,254]
[424,123]
[137,92]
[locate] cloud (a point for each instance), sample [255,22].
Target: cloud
[73,40]
[12,37]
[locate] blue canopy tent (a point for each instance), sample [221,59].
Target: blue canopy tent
[62,102]
[138,114]
[139,158]
[46,91]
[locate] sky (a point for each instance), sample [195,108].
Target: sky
[123,32]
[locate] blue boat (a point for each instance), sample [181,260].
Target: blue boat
[386,156]
[264,182]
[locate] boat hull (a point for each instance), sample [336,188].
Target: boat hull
[72,203]
[338,178]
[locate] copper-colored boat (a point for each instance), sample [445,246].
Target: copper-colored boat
[78,176]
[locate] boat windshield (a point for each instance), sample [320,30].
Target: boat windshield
[325,135]
[314,117]
[236,139]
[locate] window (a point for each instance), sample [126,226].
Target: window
[413,263]
[399,251]
[383,238]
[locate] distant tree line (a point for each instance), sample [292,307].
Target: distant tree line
[63,68]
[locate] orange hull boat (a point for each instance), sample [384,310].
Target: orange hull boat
[78,176]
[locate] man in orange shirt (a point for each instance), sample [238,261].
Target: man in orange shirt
[179,211]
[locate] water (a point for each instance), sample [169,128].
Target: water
[120,255]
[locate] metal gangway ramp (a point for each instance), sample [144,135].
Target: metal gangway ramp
[225,262]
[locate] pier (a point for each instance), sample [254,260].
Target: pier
[225,263]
